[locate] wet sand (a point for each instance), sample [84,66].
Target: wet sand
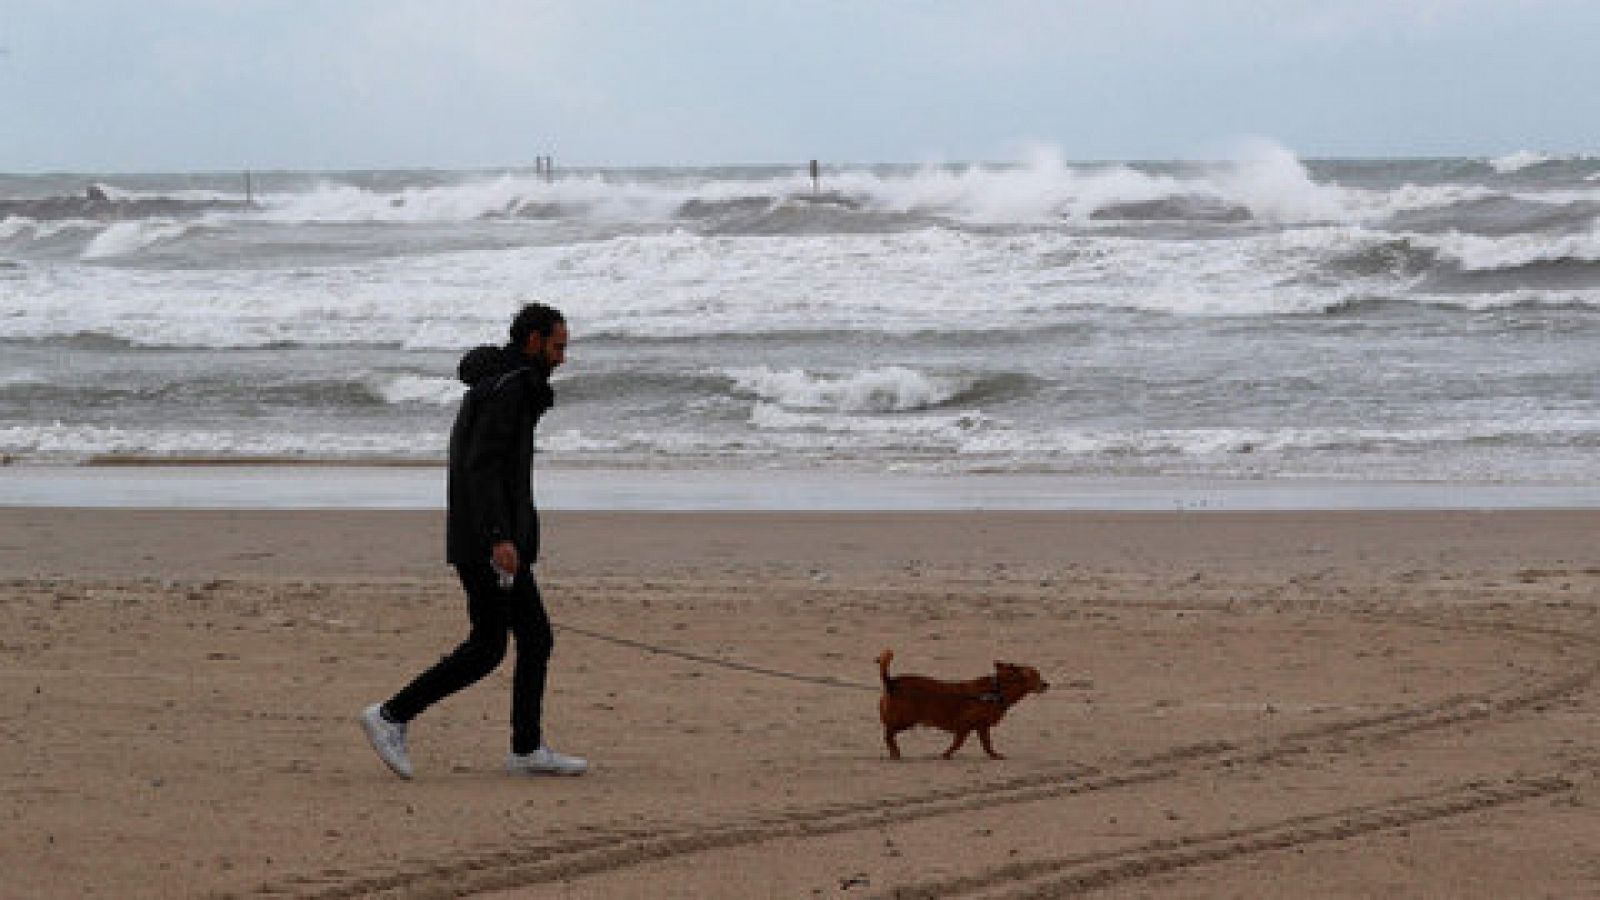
[1267,704]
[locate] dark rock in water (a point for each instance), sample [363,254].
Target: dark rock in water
[704,209]
[698,208]
[1184,207]
[521,209]
[96,203]
[828,198]
[823,212]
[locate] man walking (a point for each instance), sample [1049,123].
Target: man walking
[492,540]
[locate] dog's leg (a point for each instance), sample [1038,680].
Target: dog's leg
[961,738]
[894,746]
[983,738]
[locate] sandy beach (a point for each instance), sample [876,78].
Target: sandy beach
[1267,704]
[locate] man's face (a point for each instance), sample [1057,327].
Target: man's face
[551,350]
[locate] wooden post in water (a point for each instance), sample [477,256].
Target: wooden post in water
[249,192]
[816,184]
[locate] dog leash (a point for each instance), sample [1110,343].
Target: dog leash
[823,680]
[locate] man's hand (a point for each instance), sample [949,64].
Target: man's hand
[504,555]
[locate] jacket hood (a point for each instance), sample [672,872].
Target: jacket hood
[488,361]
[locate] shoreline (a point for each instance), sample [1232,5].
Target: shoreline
[249,485]
[755,544]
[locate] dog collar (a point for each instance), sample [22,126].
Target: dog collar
[993,695]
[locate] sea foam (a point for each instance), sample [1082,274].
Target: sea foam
[884,390]
[62,442]
[418,389]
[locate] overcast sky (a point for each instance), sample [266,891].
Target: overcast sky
[142,85]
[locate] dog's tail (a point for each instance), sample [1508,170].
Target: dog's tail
[884,659]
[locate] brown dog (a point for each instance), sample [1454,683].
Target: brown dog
[959,707]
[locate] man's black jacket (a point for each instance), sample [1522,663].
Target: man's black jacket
[491,455]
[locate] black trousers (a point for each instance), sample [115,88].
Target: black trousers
[494,614]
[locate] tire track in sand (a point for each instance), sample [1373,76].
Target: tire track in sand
[609,850]
[1069,875]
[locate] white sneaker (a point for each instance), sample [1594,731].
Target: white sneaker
[388,739]
[545,761]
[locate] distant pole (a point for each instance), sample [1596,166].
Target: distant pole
[249,191]
[549,168]
[816,184]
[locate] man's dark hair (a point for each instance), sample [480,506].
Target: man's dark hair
[534,317]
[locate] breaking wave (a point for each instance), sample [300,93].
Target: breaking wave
[1516,162]
[1262,314]
[886,390]
[1263,182]
[128,238]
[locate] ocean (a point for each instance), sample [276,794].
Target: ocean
[1263,318]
